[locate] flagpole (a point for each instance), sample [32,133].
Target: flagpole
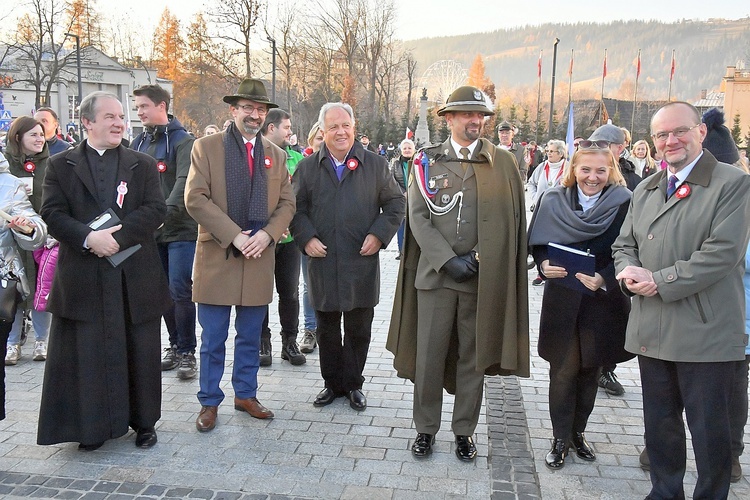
[635,94]
[570,78]
[601,103]
[539,96]
[671,75]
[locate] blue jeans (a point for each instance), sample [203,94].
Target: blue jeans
[400,236]
[40,321]
[215,323]
[310,322]
[177,259]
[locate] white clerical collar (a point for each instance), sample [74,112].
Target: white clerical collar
[471,147]
[587,201]
[100,151]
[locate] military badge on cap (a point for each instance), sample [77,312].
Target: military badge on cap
[478,95]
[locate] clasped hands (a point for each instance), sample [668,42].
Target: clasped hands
[102,243]
[638,280]
[462,267]
[252,246]
[593,283]
[315,248]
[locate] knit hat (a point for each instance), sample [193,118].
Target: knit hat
[610,133]
[718,139]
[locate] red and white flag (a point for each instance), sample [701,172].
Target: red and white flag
[539,66]
[570,68]
[604,71]
[409,134]
[671,71]
[638,66]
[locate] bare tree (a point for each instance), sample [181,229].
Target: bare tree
[342,22]
[377,21]
[235,27]
[410,68]
[38,40]
[285,31]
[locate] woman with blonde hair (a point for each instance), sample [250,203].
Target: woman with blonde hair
[314,139]
[583,318]
[641,158]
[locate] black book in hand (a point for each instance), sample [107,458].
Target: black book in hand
[574,261]
[106,220]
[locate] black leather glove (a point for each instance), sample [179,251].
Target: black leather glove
[461,267]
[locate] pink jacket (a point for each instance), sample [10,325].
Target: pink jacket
[46,260]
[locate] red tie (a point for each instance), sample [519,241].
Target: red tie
[249,147]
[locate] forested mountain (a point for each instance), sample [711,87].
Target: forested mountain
[703,50]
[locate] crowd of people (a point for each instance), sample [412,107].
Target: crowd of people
[641,252]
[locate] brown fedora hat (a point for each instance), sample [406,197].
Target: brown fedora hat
[251,89]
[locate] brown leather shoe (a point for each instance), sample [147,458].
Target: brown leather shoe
[253,407]
[206,418]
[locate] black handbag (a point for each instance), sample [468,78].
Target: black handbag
[8,298]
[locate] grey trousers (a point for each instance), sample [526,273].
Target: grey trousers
[438,311]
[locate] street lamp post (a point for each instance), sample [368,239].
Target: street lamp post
[139,61]
[273,68]
[80,83]
[552,92]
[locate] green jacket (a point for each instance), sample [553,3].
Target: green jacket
[292,159]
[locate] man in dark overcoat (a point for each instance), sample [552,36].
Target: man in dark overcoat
[103,372]
[461,304]
[348,208]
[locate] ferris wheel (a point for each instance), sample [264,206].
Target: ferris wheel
[442,77]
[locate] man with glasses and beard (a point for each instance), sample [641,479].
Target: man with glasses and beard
[238,191]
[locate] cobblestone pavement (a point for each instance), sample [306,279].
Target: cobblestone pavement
[333,452]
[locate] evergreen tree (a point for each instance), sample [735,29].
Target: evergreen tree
[736,130]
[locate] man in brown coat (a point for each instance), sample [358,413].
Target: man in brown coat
[238,191]
[461,305]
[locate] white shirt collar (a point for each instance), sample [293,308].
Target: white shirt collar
[587,201]
[457,147]
[683,174]
[251,141]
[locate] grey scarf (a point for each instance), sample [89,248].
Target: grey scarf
[247,198]
[557,220]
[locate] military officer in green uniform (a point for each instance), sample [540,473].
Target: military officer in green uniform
[461,305]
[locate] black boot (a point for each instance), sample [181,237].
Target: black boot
[555,459]
[290,351]
[265,352]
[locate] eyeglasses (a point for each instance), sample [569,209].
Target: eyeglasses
[678,133]
[249,108]
[550,151]
[593,145]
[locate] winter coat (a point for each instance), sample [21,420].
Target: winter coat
[341,214]
[46,260]
[599,320]
[170,145]
[220,278]
[14,201]
[632,179]
[694,244]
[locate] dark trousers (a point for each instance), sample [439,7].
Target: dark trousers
[703,390]
[738,407]
[4,331]
[286,273]
[177,260]
[342,362]
[572,392]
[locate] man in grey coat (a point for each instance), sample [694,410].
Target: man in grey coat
[681,254]
[348,208]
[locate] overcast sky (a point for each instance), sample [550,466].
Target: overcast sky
[422,18]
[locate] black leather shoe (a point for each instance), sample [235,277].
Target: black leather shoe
[555,459]
[145,438]
[265,352]
[325,397]
[465,448]
[582,447]
[90,447]
[357,400]
[422,446]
